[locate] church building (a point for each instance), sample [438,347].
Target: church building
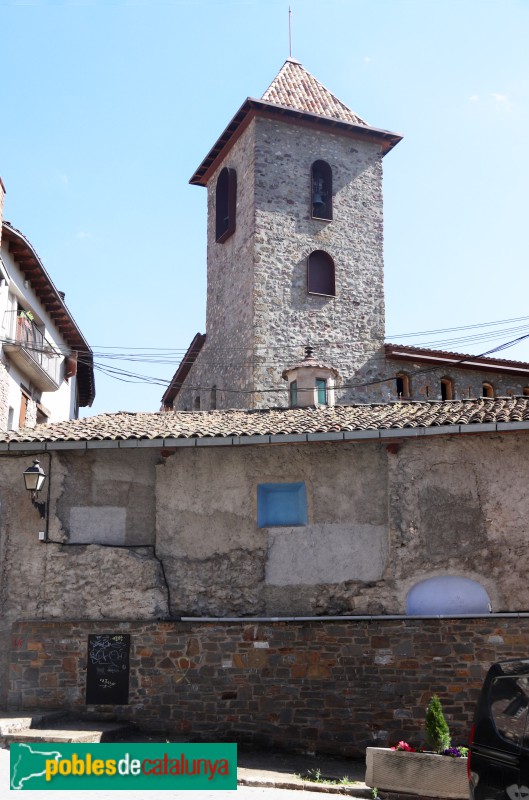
[326,530]
[295,261]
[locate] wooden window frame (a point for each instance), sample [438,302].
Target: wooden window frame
[447,384]
[321,186]
[24,402]
[487,390]
[225,204]
[321,274]
[406,386]
[321,386]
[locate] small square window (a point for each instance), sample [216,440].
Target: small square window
[281,504]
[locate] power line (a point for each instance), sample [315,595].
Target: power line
[172,356]
[374,382]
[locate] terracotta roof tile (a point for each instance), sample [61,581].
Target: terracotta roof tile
[282,421]
[392,350]
[294,87]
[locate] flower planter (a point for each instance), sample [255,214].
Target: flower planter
[424,774]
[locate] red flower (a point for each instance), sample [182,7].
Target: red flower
[405,746]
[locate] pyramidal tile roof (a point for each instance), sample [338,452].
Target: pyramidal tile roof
[296,88]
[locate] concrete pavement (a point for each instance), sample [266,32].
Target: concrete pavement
[282,770]
[257,769]
[260,777]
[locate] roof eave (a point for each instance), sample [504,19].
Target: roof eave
[459,360]
[166,441]
[253,107]
[183,370]
[52,301]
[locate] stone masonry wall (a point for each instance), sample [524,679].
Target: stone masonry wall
[332,685]
[226,358]
[425,381]
[381,518]
[347,330]
[259,313]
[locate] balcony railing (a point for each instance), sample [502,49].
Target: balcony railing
[27,347]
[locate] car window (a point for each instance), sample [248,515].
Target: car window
[509,704]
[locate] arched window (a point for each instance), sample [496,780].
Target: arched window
[402,386]
[488,390]
[320,274]
[447,389]
[447,594]
[321,190]
[225,203]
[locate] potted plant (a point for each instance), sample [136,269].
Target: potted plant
[438,772]
[437,732]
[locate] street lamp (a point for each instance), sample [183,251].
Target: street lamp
[34,478]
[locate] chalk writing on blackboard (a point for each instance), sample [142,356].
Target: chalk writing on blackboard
[108,650]
[107,673]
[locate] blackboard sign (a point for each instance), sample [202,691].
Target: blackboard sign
[107,669]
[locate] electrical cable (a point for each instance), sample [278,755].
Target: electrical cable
[217,359]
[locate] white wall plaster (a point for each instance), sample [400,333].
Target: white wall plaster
[98,524]
[326,554]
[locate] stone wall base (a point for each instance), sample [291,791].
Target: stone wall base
[322,686]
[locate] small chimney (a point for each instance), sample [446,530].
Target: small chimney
[311,382]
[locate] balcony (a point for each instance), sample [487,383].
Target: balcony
[34,356]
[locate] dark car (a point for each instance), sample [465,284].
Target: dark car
[498,763]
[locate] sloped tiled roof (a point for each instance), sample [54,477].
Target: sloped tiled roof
[462,360]
[294,96]
[182,371]
[294,87]
[396,416]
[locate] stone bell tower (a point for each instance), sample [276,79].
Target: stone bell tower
[295,249]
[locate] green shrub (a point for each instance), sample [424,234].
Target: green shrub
[437,732]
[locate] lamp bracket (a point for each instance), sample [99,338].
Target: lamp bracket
[40,506]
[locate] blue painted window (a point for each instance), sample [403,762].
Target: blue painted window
[294,394]
[281,504]
[447,594]
[321,386]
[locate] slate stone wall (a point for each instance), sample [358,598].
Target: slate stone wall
[332,686]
